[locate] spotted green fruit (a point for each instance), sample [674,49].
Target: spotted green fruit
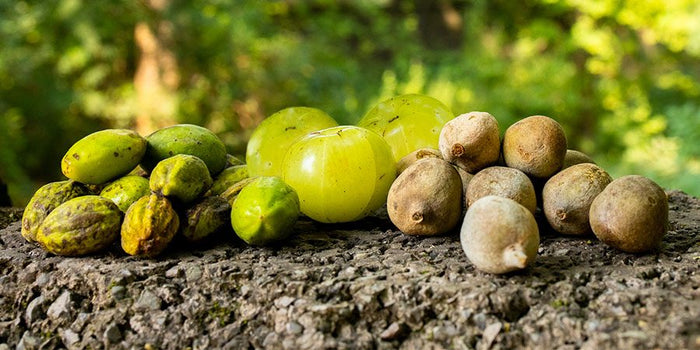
[103,155]
[185,139]
[205,217]
[272,138]
[265,211]
[149,226]
[45,200]
[80,226]
[181,176]
[228,177]
[125,190]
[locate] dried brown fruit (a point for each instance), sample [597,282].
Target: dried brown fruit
[535,145]
[471,141]
[504,182]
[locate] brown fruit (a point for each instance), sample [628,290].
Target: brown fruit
[574,157]
[535,145]
[415,156]
[425,198]
[499,235]
[504,182]
[471,141]
[630,214]
[568,195]
[149,226]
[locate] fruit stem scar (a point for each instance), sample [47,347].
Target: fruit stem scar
[457,149]
[417,217]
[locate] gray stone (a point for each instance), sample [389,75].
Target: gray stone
[4,346]
[112,334]
[61,307]
[148,301]
[35,310]
[42,279]
[173,272]
[193,273]
[69,337]
[28,341]
[394,331]
[490,334]
[294,328]
[118,292]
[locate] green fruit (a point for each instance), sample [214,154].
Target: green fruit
[45,200]
[126,190]
[204,218]
[265,211]
[408,122]
[272,138]
[341,174]
[149,226]
[103,156]
[181,176]
[80,226]
[185,139]
[229,177]
[232,191]
[232,160]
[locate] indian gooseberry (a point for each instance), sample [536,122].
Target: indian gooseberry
[574,157]
[630,214]
[567,197]
[535,145]
[499,235]
[425,198]
[504,182]
[471,141]
[415,156]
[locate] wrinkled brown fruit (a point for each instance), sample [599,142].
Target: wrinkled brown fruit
[535,145]
[503,182]
[471,141]
[425,198]
[415,156]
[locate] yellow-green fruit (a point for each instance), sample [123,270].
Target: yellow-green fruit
[265,211]
[205,217]
[181,176]
[45,200]
[272,138]
[185,139]
[228,177]
[232,160]
[80,226]
[103,156]
[232,192]
[149,225]
[126,190]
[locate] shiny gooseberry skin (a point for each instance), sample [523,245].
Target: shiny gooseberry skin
[341,174]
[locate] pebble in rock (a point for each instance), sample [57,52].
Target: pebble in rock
[148,301]
[61,307]
[28,341]
[112,334]
[118,292]
[69,337]
[35,310]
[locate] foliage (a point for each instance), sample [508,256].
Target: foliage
[622,76]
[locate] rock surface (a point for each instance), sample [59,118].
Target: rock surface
[354,286]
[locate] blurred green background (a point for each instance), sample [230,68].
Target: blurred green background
[623,77]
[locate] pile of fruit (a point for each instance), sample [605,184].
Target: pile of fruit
[431,169]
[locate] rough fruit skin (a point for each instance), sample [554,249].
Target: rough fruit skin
[504,182]
[567,197]
[103,155]
[630,214]
[205,217]
[535,145]
[182,176]
[45,200]
[228,178]
[185,139]
[149,226]
[408,122]
[271,140]
[126,190]
[265,211]
[471,141]
[426,198]
[80,226]
[499,235]
[415,156]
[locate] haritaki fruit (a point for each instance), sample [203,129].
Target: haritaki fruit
[630,214]
[415,156]
[205,217]
[185,139]
[46,199]
[103,155]
[126,190]
[80,226]
[471,141]
[499,235]
[265,211]
[182,176]
[149,226]
[574,157]
[567,197]
[426,198]
[535,145]
[504,182]
[228,177]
